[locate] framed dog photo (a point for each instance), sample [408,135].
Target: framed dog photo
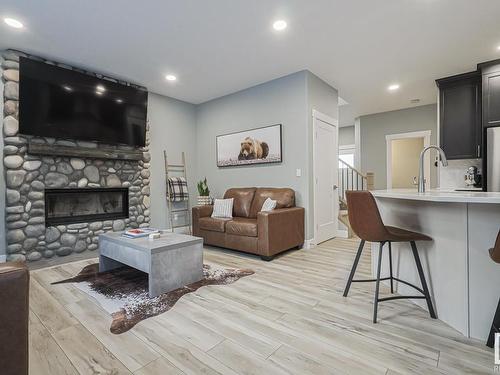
[254,146]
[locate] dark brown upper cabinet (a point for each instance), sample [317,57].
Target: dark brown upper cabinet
[490,72]
[491,92]
[460,130]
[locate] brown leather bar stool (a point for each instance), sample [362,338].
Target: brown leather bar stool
[366,222]
[495,326]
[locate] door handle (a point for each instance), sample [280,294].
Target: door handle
[335,187]
[415,180]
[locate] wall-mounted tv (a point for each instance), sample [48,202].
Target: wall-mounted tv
[62,103]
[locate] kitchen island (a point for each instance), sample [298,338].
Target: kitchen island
[463,281]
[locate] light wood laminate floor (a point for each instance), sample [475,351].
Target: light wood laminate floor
[287,318]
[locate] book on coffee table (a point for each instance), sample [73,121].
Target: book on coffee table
[139,232]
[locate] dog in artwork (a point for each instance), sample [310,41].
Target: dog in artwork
[253,149]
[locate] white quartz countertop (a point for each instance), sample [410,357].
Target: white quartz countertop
[438,195]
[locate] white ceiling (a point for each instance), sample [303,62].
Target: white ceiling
[221,46]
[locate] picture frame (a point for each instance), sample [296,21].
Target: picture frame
[261,145]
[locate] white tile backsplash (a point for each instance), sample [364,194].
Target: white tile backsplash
[452,176]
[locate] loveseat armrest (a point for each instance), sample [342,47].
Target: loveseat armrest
[14,294]
[197,213]
[280,230]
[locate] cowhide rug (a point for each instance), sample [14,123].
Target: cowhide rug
[123,292]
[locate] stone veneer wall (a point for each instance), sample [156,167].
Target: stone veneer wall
[26,177]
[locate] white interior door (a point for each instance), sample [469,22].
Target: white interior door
[326,199]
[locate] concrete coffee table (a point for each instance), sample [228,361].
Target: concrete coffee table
[172,261]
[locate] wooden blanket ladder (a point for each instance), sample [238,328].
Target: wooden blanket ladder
[177,170]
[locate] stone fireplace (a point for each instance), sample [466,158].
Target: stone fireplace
[41,226]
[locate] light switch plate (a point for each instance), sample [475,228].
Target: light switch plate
[298,172]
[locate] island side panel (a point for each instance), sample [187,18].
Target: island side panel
[444,259]
[484,274]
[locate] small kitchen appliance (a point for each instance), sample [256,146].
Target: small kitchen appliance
[472,177]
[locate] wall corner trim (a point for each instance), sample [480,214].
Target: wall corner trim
[309,244]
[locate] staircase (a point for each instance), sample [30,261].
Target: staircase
[351,179]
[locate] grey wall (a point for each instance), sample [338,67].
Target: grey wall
[177,126]
[375,127]
[284,101]
[346,135]
[323,98]
[173,128]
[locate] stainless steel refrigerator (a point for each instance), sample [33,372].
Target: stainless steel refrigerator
[493,158]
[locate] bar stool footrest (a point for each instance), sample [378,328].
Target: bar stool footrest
[399,297]
[409,284]
[389,278]
[370,280]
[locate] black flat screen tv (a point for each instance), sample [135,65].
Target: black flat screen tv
[62,103]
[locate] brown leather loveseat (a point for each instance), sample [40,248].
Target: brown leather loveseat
[14,311]
[261,233]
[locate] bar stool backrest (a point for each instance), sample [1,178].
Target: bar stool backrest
[495,252]
[364,216]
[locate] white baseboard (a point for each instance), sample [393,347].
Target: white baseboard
[309,244]
[342,233]
[3,258]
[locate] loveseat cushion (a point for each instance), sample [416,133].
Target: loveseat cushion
[213,224]
[285,199]
[241,226]
[243,198]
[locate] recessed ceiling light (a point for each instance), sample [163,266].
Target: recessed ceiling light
[100,88]
[393,87]
[67,88]
[119,100]
[279,25]
[99,93]
[170,77]
[13,23]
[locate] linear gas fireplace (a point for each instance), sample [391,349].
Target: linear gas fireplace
[66,206]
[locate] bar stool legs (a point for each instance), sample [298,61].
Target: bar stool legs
[390,267]
[377,282]
[424,290]
[495,327]
[354,266]
[422,280]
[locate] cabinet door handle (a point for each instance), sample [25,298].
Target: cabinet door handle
[478,151]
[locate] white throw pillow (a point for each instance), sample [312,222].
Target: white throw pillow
[268,205]
[223,208]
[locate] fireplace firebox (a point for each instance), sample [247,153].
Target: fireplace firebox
[67,206]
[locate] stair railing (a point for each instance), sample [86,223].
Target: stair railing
[352,179]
